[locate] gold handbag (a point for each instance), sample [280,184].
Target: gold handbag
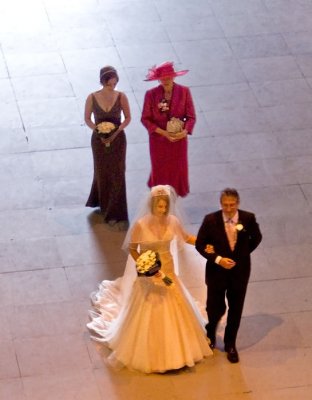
[174,125]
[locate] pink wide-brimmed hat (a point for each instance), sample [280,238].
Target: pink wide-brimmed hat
[164,70]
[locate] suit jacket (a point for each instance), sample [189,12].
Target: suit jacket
[212,231]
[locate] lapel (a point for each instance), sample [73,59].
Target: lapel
[173,99]
[222,231]
[175,102]
[239,221]
[158,94]
[157,97]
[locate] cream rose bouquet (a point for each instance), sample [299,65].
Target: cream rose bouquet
[105,130]
[148,264]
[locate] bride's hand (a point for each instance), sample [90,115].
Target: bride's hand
[209,249]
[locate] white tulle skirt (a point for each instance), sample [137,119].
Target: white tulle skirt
[156,328]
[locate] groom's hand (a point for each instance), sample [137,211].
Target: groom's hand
[227,263]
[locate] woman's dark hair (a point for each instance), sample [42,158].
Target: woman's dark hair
[107,73]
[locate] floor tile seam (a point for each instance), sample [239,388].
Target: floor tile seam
[282,279]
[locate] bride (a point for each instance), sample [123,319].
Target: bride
[151,326]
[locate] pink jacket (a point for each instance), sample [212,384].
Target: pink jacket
[181,106]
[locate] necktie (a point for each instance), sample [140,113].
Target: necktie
[231,232]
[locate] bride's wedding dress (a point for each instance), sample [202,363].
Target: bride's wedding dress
[148,326]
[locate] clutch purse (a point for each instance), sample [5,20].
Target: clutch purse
[174,125]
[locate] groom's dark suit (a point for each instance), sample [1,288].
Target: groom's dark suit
[229,283]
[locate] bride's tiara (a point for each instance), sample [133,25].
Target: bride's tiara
[160,190]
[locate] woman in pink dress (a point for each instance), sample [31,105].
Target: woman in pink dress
[168,142]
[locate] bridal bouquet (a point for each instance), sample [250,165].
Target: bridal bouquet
[174,125]
[105,130]
[148,264]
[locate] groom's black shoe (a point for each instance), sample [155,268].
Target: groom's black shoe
[212,343]
[211,335]
[232,354]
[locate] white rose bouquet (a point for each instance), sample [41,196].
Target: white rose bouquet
[148,264]
[105,130]
[175,125]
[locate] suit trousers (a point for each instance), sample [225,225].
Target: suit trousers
[230,285]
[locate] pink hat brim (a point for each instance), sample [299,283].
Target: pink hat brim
[172,75]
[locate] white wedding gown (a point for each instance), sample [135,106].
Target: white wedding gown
[149,327]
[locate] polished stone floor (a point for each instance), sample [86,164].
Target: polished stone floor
[250,74]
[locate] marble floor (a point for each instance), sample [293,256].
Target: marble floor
[250,74]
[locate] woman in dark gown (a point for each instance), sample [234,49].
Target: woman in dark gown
[108,189]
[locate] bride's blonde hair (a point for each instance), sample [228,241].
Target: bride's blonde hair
[160,192]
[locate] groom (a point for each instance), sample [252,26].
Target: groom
[234,234]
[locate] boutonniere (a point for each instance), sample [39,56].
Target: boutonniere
[239,227]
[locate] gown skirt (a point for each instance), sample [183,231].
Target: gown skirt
[154,328]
